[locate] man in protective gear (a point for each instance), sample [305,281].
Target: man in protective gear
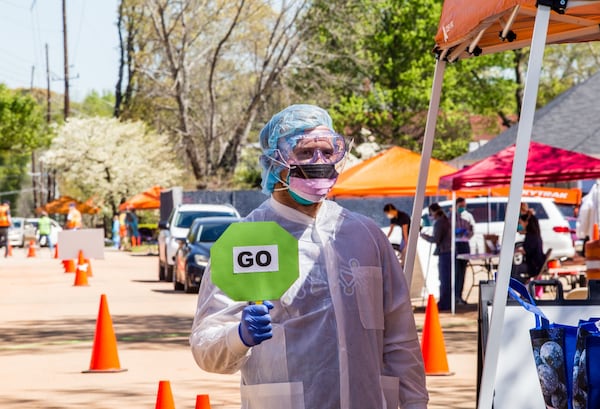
[343,335]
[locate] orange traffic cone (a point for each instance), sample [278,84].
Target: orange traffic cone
[432,342]
[202,402]
[56,251]
[80,258]
[89,267]
[9,251]
[31,251]
[595,233]
[105,357]
[164,398]
[81,276]
[69,266]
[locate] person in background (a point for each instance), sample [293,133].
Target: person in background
[465,223]
[442,238]
[124,242]
[44,230]
[589,214]
[116,235]
[132,227]
[533,246]
[73,218]
[343,336]
[400,219]
[5,223]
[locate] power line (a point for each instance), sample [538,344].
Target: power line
[16,5]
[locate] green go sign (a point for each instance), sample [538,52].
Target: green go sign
[254,261]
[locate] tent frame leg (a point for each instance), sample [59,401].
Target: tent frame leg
[432,114]
[488,379]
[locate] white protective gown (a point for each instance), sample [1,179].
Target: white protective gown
[344,335]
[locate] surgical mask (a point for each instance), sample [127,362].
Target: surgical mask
[389,215]
[520,227]
[461,209]
[310,184]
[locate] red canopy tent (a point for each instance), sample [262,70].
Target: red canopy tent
[147,200]
[390,173]
[545,164]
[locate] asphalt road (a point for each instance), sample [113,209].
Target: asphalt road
[47,329]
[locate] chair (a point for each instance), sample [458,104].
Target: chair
[577,294]
[540,276]
[520,270]
[490,243]
[544,269]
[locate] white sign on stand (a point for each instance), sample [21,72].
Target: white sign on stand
[90,241]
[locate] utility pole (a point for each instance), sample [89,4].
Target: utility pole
[48,99]
[66,58]
[33,174]
[49,181]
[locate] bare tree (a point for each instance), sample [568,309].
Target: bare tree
[206,70]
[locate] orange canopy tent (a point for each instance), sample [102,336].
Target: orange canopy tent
[390,173]
[61,206]
[147,200]
[470,28]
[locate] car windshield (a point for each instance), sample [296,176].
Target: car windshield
[185,219]
[211,232]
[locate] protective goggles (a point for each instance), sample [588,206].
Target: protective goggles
[314,147]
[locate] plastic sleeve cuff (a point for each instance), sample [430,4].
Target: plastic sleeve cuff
[235,342]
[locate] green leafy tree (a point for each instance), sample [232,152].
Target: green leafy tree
[95,104]
[380,77]
[22,126]
[22,130]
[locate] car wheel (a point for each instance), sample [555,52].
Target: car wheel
[187,287]
[161,271]
[177,286]
[168,272]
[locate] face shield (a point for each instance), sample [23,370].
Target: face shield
[315,147]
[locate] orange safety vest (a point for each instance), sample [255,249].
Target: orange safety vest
[4,219]
[74,219]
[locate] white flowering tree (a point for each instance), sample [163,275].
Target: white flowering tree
[107,159]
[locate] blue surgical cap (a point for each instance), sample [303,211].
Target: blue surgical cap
[293,120]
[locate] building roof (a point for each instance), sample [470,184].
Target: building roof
[571,121]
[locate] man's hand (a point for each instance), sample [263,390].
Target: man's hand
[255,326]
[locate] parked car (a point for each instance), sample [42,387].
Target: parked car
[20,232]
[192,257]
[25,229]
[577,242]
[177,227]
[490,212]
[55,228]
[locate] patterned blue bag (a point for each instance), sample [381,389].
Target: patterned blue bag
[565,373]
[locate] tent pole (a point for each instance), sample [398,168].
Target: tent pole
[434,106]
[538,41]
[453,253]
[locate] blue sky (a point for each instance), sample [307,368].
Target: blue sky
[27,25]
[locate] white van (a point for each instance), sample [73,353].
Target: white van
[489,214]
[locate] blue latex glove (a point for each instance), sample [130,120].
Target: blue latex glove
[255,326]
[460,231]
